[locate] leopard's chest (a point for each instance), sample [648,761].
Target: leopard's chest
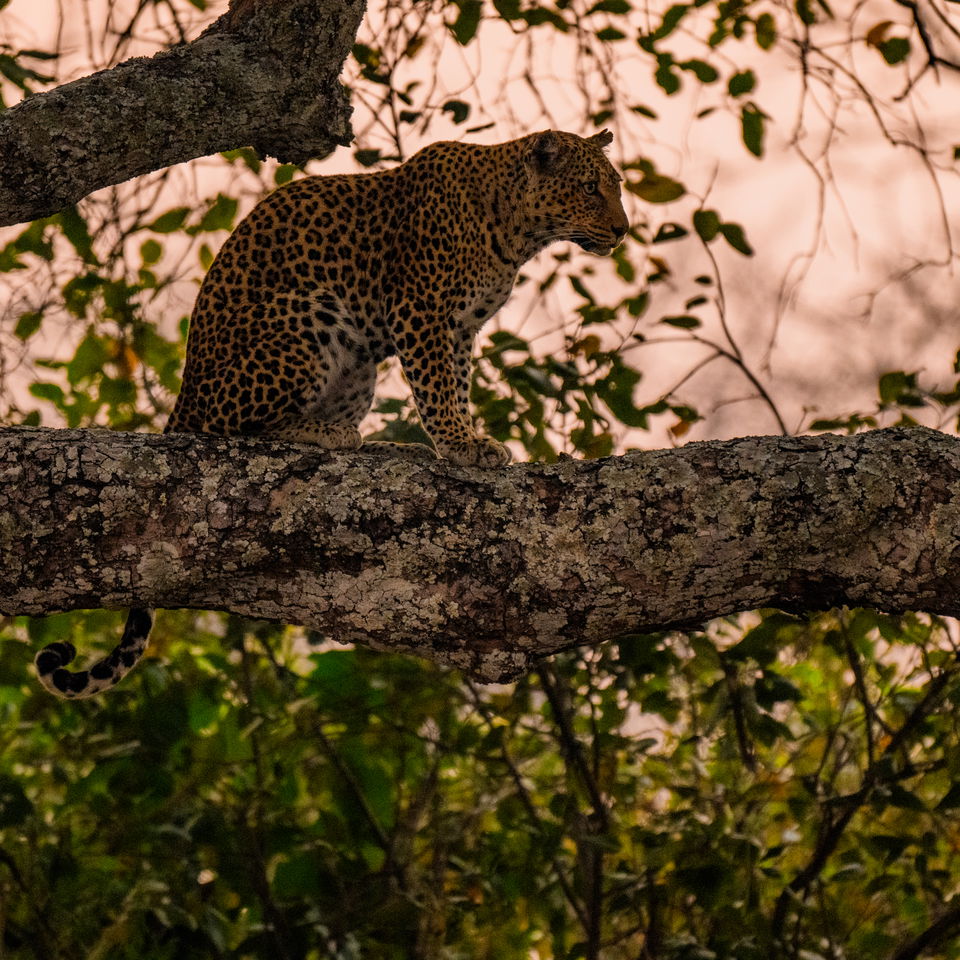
[474,304]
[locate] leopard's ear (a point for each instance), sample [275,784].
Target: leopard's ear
[602,139]
[544,151]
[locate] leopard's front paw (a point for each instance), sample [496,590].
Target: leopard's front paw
[480,452]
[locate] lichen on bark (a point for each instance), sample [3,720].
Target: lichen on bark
[486,570]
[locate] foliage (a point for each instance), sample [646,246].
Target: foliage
[771,786]
[768,786]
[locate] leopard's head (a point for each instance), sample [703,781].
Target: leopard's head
[572,192]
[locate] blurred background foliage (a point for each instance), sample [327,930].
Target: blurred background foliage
[769,786]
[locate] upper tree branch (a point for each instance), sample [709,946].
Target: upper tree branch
[482,569]
[264,75]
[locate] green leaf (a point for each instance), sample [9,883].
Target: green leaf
[119,301]
[851,424]
[366,56]
[951,799]
[657,188]
[150,251]
[898,796]
[666,79]
[48,391]
[14,805]
[704,882]
[581,288]
[898,388]
[668,232]
[464,28]
[616,391]
[508,9]
[9,259]
[202,712]
[895,50]
[741,83]
[610,34]
[625,269]
[75,230]
[733,234]
[28,324]
[610,6]
[35,240]
[772,689]
[684,413]
[38,54]
[246,154]
[671,20]
[537,16]
[88,359]
[79,291]
[284,173]
[751,119]
[766,31]
[169,221]
[458,109]
[115,391]
[296,877]
[702,70]
[367,158]
[645,111]
[890,846]
[219,215]
[683,322]
[805,12]
[20,75]
[707,224]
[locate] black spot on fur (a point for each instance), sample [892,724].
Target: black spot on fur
[101,670]
[54,656]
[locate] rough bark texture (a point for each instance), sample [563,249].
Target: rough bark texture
[485,570]
[264,75]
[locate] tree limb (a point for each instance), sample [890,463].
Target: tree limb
[485,570]
[938,933]
[263,75]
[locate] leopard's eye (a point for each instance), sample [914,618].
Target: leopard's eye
[589,187]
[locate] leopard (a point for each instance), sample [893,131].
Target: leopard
[328,276]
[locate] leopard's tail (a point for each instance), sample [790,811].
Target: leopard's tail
[51,661]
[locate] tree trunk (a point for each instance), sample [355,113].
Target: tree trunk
[264,75]
[485,570]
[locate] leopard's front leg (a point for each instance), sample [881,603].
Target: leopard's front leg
[436,361]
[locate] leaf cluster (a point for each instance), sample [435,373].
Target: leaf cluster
[770,786]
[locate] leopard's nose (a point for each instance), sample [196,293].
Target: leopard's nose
[620,229]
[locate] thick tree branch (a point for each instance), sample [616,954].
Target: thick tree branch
[485,570]
[264,75]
